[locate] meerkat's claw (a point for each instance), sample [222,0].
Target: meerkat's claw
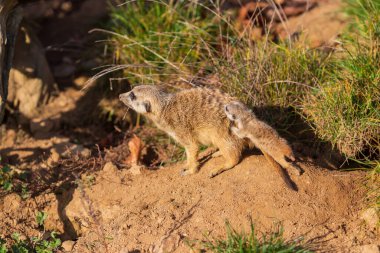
[298,169]
[186,172]
[214,173]
[216,154]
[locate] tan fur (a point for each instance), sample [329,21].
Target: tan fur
[192,117]
[246,125]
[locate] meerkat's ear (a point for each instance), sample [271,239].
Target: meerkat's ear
[147,106]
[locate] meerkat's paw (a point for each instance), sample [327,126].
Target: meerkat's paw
[216,172]
[216,154]
[186,172]
[297,169]
[236,131]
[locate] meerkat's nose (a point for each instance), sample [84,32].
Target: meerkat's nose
[121,96]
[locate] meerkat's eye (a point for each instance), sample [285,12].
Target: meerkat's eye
[132,96]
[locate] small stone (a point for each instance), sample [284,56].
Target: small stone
[370,248]
[370,217]
[109,167]
[67,6]
[10,137]
[70,148]
[53,159]
[85,152]
[135,169]
[54,155]
[80,81]
[68,246]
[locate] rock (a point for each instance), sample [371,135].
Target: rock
[370,248]
[54,158]
[68,149]
[110,172]
[77,212]
[54,155]
[371,217]
[87,206]
[30,80]
[68,246]
[136,169]
[110,167]
[80,81]
[10,137]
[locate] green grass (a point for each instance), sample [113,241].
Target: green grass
[265,73]
[346,108]
[158,40]
[336,92]
[240,242]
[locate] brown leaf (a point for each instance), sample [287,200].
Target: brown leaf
[135,147]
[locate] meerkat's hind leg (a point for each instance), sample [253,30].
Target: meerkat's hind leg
[209,152]
[294,166]
[232,156]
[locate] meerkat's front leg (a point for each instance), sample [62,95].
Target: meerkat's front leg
[236,131]
[192,162]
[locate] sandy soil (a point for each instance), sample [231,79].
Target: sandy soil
[161,209]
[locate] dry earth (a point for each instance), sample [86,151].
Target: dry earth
[161,210]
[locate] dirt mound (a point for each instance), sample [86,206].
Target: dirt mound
[160,210]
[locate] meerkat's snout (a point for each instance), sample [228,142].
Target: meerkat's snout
[136,101]
[127,98]
[123,97]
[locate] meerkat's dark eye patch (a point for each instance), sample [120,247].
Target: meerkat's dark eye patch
[147,106]
[132,96]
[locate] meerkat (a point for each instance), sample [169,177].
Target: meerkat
[263,136]
[191,117]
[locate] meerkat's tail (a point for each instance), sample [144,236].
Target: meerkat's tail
[281,172]
[290,157]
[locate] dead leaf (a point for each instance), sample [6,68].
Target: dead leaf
[135,147]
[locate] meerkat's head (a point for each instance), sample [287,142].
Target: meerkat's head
[236,111]
[145,99]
